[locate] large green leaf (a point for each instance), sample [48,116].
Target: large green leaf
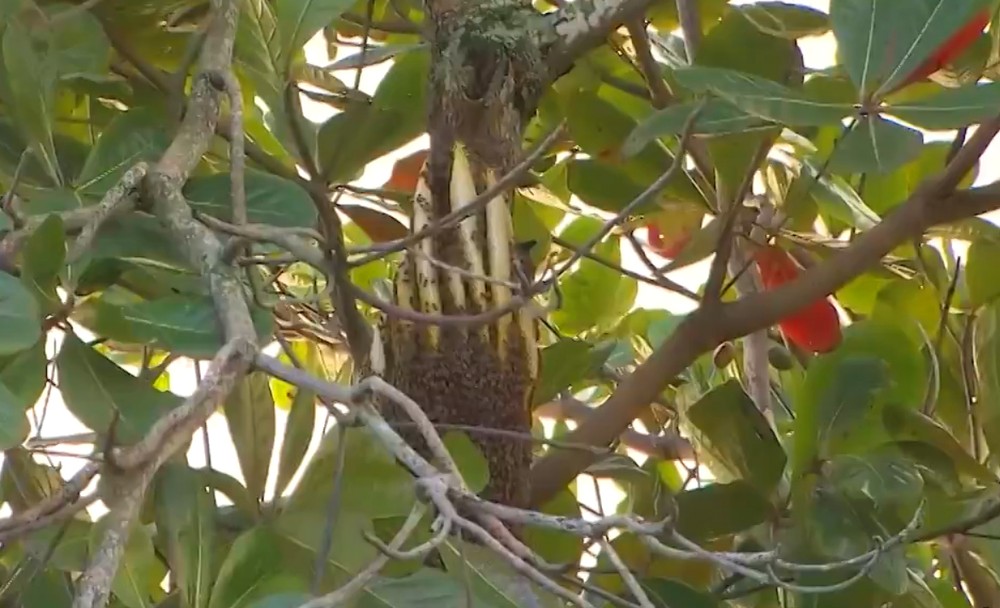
[19,316]
[137,135]
[726,44]
[951,108]
[299,429]
[23,373]
[595,296]
[786,20]
[186,325]
[738,435]
[372,482]
[717,117]
[94,389]
[982,261]
[764,98]
[564,363]
[299,20]
[30,80]
[139,570]
[876,145]
[880,45]
[44,254]
[184,515]
[270,199]
[252,560]
[366,131]
[14,427]
[720,509]
[906,424]
[249,411]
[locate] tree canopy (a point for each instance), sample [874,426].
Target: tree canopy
[818,431]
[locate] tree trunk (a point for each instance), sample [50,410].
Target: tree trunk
[486,79]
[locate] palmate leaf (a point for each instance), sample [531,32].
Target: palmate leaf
[880,42]
[764,98]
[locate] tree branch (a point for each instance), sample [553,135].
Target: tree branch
[700,332]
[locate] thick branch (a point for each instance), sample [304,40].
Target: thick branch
[583,25]
[700,332]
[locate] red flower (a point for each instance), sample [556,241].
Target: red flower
[816,326]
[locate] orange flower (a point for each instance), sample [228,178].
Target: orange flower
[816,326]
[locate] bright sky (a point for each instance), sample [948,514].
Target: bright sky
[818,53]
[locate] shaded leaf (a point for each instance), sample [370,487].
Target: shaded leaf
[299,428]
[253,557]
[184,513]
[720,509]
[94,388]
[764,98]
[880,45]
[137,135]
[786,20]
[249,412]
[270,199]
[951,108]
[717,117]
[364,132]
[876,145]
[44,254]
[31,79]
[739,436]
[299,20]
[564,363]
[18,316]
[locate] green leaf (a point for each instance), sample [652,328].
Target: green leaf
[764,98]
[717,117]
[876,145]
[951,108]
[138,570]
[249,412]
[372,482]
[595,296]
[253,558]
[14,427]
[883,477]
[564,363]
[299,428]
[837,394]
[299,20]
[186,325]
[366,131]
[23,374]
[726,43]
[470,461]
[44,255]
[738,435]
[94,388]
[19,316]
[720,509]
[554,546]
[880,46]
[78,46]
[666,593]
[281,600]
[604,186]
[928,440]
[987,364]
[488,579]
[835,197]
[786,20]
[31,78]
[137,135]
[184,511]
[982,261]
[270,199]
